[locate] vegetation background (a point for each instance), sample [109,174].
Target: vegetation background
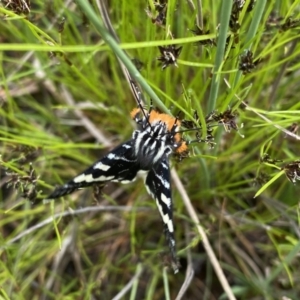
[65,103]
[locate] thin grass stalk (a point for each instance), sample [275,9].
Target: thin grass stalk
[216,79]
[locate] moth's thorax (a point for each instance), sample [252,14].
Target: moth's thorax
[157,137]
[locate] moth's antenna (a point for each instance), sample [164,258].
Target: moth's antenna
[139,98]
[136,92]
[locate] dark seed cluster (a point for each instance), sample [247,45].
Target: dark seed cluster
[26,184]
[247,64]
[169,55]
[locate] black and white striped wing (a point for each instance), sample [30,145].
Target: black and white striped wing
[158,185]
[119,165]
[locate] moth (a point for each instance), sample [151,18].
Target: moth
[157,136]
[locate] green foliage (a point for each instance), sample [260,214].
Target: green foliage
[65,103]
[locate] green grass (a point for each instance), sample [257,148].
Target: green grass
[65,103]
